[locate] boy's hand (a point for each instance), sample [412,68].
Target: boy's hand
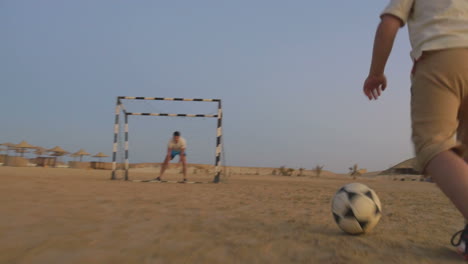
[376,82]
[374,85]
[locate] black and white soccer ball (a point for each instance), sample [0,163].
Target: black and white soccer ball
[356,208]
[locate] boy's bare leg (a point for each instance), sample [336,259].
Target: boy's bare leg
[183,160]
[164,166]
[466,161]
[450,172]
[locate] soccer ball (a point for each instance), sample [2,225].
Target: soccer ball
[356,208]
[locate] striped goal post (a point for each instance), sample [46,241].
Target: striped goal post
[120,108]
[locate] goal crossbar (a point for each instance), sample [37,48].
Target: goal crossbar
[173,115]
[121,108]
[168,99]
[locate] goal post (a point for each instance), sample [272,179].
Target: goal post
[120,109]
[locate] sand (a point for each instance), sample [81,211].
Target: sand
[80,216]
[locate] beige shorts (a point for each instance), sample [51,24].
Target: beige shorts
[439,104]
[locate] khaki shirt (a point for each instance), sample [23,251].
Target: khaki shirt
[182,144]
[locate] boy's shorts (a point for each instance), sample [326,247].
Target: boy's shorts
[174,153]
[439,104]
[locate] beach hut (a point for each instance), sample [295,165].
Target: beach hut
[80,153]
[406,167]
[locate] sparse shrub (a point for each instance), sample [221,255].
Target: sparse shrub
[354,171]
[318,170]
[286,171]
[301,171]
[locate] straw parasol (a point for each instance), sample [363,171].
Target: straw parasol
[73,156]
[9,145]
[23,147]
[25,144]
[40,151]
[58,151]
[80,153]
[100,155]
[21,151]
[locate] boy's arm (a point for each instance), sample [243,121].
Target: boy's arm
[376,82]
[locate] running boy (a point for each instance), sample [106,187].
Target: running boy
[438,32]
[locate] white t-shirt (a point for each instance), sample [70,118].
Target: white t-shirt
[432,24]
[181,144]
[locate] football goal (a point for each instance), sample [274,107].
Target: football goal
[121,131]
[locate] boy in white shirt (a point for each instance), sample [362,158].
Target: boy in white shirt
[176,146]
[438,31]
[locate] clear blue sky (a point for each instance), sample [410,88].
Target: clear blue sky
[289,74]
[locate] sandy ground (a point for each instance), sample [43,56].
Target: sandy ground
[80,216]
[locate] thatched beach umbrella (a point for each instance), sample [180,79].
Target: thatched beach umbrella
[21,151]
[80,153]
[100,155]
[40,151]
[75,157]
[58,151]
[9,145]
[23,147]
